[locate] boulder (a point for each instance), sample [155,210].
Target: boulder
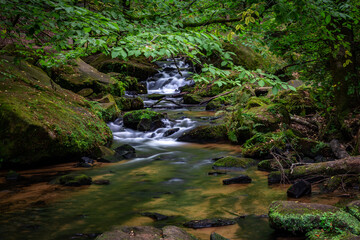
[155,96]
[43,123]
[205,134]
[130,83]
[139,67]
[110,110]
[266,165]
[127,104]
[75,181]
[237,180]
[207,223]
[143,120]
[300,218]
[126,151]
[233,163]
[145,233]
[299,188]
[338,149]
[77,75]
[171,132]
[192,99]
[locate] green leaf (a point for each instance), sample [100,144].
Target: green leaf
[292,88]
[328,19]
[261,83]
[87,30]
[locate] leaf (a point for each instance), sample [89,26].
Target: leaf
[223,63]
[328,19]
[87,30]
[261,83]
[229,37]
[242,75]
[292,88]
[275,90]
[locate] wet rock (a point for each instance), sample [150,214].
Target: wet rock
[145,233]
[85,162]
[192,99]
[299,188]
[171,131]
[69,180]
[150,120]
[215,236]
[296,217]
[233,163]
[127,104]
[237,180]
[205,134]
[101,182]
[206,223]
[216,173]
[155,96]
[155,216]
[126,151]
[109,109]
[266,165]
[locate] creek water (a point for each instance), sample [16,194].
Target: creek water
[166,177]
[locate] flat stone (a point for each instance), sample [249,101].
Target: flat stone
[207,223]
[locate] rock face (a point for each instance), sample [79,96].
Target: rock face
[296,217]
[40,125]
[78,75]
[233,163]
[299,188]
[205,134]
[206,223]
[145,233]
[237,180]
[143,120]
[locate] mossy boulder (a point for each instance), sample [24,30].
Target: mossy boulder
[192,99]
[110,110]
[214,105]
[130,83]
[267,118]
[257,102]
[300,102]
[40,125]
[233,163]
[139,67]
[155,96]
[300,218]
[79,180]
[354,209]
[205,134]
[77,75]
[127,104]
[319,234]
[266,165]
[143,120]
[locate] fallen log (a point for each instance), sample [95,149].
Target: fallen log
[304,122]
[316,171]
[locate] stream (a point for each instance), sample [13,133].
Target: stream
[166,177]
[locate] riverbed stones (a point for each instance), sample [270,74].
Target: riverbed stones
[237,180]
[299,218]
[126,151]
[231,163]
[299,188]
[207,223]
[145,233]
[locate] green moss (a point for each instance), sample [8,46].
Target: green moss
[192,99]
[204,134]
[214,104]
[266,165]
[234,162]
[257,102]
[133,118]
[320,234]
[354,209]
[301,218]
[79,180]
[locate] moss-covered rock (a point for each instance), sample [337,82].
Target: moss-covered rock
[296,217]
[205,134]
[41,125]
[257,102]
[354,209]
[300,102]
[267,165]
[110,110]
[130,83]
[139,118]
[85,92]
[267,118]
[77,75]
[127,104]
[139,67]
[214,104]
[319,234]
[155,96]
[79,180]
[192,99]
[233,163]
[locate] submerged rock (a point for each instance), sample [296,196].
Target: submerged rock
[155,216]
[145,233]
[215,236]
[299,188]
[205,134]
[237,180]
[206,223]
[233,163]
[69,180]
[296,217]
[126,151]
